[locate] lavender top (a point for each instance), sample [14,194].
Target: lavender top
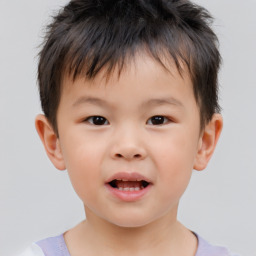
[56,246]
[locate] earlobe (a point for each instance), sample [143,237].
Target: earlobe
[50,141]
[208,141]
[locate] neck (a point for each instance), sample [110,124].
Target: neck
[166,236]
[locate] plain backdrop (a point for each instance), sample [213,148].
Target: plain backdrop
[37,201]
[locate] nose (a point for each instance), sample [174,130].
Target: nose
[128,146]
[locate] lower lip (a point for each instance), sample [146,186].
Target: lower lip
[128,196]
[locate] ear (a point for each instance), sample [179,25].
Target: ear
[208,141]
[50,141]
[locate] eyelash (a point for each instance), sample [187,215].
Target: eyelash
[100,120]
[157,119]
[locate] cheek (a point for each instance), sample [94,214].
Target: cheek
[83,162]
[174,159]
[176,151]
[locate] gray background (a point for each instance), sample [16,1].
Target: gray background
[37,201]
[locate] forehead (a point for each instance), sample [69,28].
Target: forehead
[144,88]
[139,66]
[142,80]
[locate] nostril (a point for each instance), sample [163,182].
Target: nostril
[134,156]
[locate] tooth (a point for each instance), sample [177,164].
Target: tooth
[124,180]
[137,189]
[126,189]
[131,189]
[120,188]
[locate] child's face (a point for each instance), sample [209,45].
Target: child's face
[146,126]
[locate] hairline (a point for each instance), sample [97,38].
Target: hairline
[165,62]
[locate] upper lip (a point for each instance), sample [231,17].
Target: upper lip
[128,176]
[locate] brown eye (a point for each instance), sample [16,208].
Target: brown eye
[97,120]
[157,120]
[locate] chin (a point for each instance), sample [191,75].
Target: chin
[131,221]
[130,224]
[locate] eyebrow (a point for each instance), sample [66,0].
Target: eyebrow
[151,102]
[90,100]
[163,101]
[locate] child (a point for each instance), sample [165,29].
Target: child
[129,94]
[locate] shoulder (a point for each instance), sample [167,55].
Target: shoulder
[33,250]
[207,249]
[52,246]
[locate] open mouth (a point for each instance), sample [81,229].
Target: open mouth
[125,185]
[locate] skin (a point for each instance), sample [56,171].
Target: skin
[129,141]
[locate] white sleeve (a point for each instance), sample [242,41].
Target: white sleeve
[33,250]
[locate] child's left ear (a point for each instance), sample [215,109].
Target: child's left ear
[208,141]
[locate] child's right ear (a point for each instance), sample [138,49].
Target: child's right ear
[50,141]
